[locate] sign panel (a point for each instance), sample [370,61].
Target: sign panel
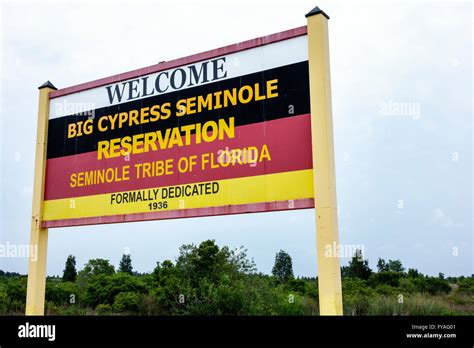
[222,132]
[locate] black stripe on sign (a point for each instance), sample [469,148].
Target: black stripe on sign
[292,100]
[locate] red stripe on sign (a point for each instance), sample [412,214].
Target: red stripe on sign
[185,213]
[241,46]
[288,141]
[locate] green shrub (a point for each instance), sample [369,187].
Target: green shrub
[386,278]
[432,285]
[60,292]
[297,285]
[384,289]
[352,287]
[311,289]
[103,309]
[3,302]
[103,289]
[356,304]
[15,289]
[149,306]
[215,299]
[408,285]
[50,308]
[17,307]
[127,302]
[466,286]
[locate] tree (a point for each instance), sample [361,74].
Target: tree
[358,267]
[382,265]
[127,302]
[97,267]
[70,273]
[205,261]
[103,288]
[125,265]
[385,278]
[395,266]
[413,273]
[390,266]
[206,279]
[283,267]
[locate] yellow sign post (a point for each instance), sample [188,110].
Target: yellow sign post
[39,236]
[329,271]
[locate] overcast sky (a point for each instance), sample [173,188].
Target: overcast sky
[404,179]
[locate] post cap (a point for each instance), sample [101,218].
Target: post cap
[316,11]
[47,84]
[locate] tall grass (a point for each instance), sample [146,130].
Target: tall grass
[413,304]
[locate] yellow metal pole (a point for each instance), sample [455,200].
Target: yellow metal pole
[329,271]
[39,236]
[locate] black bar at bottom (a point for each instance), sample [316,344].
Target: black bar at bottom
[240,330]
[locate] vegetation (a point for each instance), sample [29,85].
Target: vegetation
[125,265]
[70,273]
[212,280]
[358,267]
[283,268]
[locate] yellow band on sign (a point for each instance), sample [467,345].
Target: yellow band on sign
[255,189]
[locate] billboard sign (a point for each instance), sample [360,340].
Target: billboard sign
[222,132]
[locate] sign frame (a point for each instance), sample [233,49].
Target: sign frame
[325,203]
